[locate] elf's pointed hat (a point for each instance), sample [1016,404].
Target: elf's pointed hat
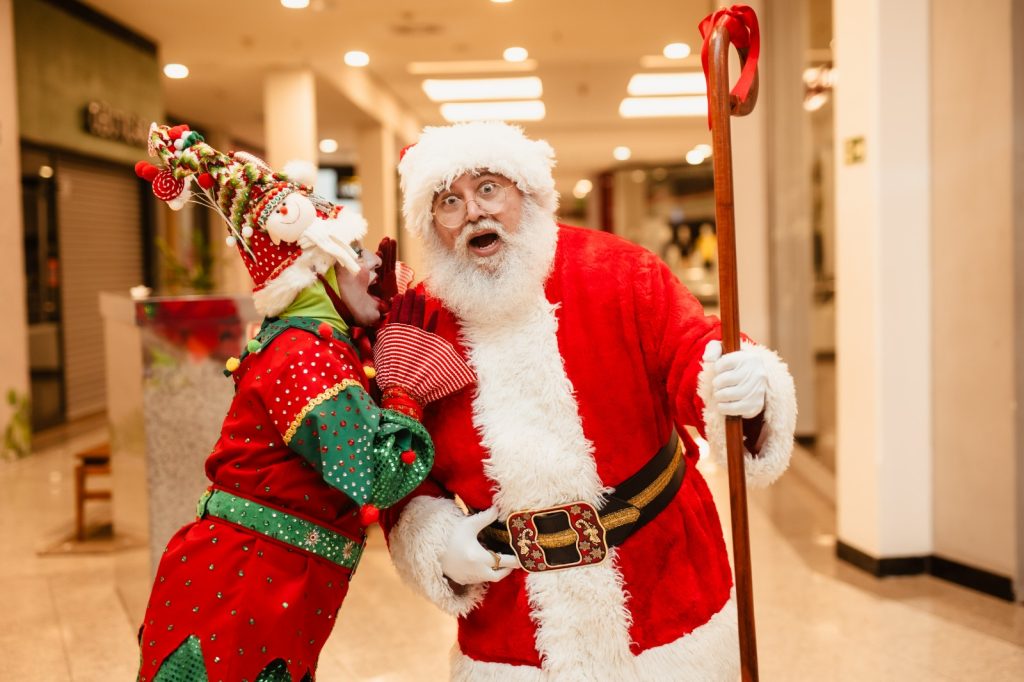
[444,153]
[285,234]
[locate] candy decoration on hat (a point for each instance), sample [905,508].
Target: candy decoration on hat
[166,187]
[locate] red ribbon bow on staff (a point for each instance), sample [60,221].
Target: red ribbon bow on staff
[741,23]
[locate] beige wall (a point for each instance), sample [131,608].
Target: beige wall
[975,494]
[14,334]
[64,63]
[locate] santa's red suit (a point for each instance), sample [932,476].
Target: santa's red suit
[574,394]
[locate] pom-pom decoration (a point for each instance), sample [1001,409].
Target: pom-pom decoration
[205,180]
[325,330]
[247,231]
[370,371]
[177,131]
[146,170]
[167,187]
[230,240]
[409,456]
[232,364]
[254,346]
[368,514]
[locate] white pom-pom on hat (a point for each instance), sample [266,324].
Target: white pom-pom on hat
[444,153]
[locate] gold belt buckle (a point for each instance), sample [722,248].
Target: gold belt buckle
[532,547]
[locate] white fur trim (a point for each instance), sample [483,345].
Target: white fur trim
[708,654]
[349,226]
[417,542]
[538,457]
[779,420]
[444,153]
[282,290]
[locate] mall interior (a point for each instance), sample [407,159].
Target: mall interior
[879,190]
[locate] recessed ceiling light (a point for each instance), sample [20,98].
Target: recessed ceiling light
[295,4]
[682,83]
[704,149]
[676,51]
[501,2]
[527,110]
[357,58]
[695,157]
[469,66]
[648,107]
[622,153]
[582,188]
[328,145]
[463,89]
[175,70]
[46,171]
[515,54]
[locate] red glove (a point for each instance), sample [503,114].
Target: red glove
[415,366]
[386,286]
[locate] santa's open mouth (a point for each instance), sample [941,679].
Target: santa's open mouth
[485,244]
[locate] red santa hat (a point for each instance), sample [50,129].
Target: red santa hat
[446,152]
[245,192]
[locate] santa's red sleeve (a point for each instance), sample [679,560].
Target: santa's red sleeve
[674,332]
[417,530]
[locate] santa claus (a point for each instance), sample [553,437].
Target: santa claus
[564,522]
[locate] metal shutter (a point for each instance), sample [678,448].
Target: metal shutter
[100,230]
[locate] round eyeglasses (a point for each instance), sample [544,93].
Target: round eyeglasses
[451,211]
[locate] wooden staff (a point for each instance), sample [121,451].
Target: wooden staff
[723,105]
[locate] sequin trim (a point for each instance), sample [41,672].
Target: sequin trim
[315,402]
[280,525]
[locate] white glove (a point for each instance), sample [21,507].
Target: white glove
[322,235]
[740,381]
[466,561]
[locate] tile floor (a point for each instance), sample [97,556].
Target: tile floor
[818,619]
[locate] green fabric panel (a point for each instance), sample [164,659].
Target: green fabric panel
[184,665]
[314,302]
[280,525]
[358,448]
[395,479]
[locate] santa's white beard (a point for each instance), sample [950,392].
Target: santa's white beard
[492,290]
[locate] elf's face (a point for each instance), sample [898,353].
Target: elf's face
[365,308]
[474,215]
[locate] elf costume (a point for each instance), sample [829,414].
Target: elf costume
[569,432]
[250,590]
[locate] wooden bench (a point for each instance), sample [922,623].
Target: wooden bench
[95,460]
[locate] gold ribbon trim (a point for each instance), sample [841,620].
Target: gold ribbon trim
[314,403]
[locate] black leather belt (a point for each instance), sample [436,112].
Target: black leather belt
[578,534]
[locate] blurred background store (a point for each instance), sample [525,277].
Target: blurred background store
[880,214]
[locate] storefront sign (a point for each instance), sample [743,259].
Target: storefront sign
[108,123]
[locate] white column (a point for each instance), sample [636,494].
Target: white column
[289,117]
[785,31]
[14,331]
[883,271]
[377,163]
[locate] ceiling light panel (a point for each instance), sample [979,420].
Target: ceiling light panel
[680,83]
[528,110]
[652,107]
[472,89]
[515,54]
[470,66]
